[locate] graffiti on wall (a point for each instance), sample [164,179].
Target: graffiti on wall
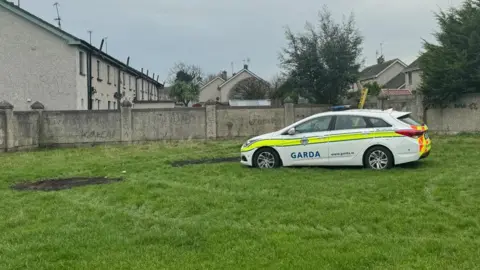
[472,106]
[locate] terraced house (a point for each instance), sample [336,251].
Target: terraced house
[41,62]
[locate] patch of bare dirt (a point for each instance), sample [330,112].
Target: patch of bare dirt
[182,163]
[67,183]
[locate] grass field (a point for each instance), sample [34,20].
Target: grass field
[224,216]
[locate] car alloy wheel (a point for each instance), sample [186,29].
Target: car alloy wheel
[266,159]
[378,158]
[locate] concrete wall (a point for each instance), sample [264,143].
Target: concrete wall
[25,128]
[460,116]
[39,128]
[79,127]
[3,130]
[167,124]
[303,110]
[248,121]
[159,104]
[35,65]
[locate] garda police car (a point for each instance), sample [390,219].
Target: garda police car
[376,139]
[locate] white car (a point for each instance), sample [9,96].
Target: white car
[376,139]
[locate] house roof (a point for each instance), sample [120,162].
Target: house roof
[211,81]
[396,82]
[238,74]
[375,70]
[415,65]
[396,92]
[73,40]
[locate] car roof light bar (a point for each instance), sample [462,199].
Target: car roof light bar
[341,108]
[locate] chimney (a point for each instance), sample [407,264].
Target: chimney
[245,66]
[381,59]
[224,75]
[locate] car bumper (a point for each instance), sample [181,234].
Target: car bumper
[426,154]
[246,158]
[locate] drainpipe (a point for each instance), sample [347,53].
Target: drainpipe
[119,87]
[89,79]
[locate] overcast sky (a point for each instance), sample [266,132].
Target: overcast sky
[214,33]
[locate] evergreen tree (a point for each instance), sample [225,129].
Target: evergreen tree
[451,68]
[322,63]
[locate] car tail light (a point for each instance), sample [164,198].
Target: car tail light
[412,133]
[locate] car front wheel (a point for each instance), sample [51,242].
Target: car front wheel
[266,158]
[378,158]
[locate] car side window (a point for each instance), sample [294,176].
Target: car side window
[378,123]
[315,125]
[350,122]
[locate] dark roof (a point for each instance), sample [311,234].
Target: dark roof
[75,41]
[396,82]
[372,71]
[415,65]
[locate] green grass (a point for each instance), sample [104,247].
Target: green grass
[225,216]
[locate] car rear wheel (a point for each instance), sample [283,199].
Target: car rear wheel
[378,158]
[266,158]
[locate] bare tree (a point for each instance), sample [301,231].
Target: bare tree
[186,81]
[192,70]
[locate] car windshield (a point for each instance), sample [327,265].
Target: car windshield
[408,119]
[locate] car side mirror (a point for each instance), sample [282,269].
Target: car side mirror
[291,131]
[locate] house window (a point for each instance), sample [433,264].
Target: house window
[130,83]
[98,104]
[124,81]
[409,78]
[143,90]
[114,105]
[109,81]
[99,77]
[81,62]
[82,103]
[109,103]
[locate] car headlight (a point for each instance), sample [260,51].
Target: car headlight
[249,142]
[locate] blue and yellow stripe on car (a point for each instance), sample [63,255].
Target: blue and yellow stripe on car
[316,140]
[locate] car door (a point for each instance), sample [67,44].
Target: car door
[309,144]
[350,136]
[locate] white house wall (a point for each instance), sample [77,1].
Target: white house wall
[225,91]
[110,80]
[211,91]
[390,73]
[35,65]
[416,80]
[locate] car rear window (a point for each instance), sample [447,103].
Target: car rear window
[408,119]
[378,123]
